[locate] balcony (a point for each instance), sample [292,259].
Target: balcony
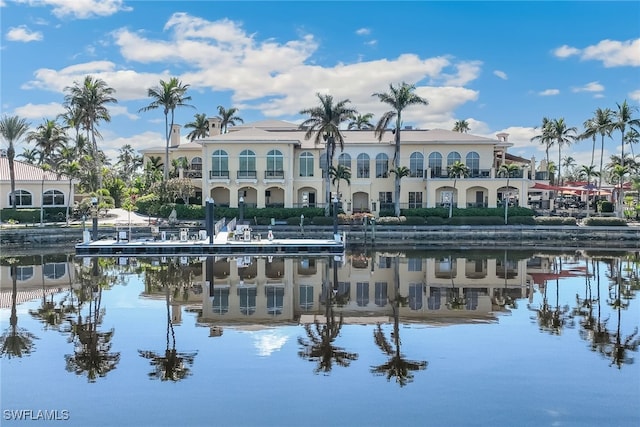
[219,174]
[273,174]
[246,174]
[193,174]
[417,173]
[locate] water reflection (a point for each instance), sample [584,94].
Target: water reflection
[322,295]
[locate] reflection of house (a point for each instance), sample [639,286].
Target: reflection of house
[34,186]
[35,280]
[285,290]
[271,164]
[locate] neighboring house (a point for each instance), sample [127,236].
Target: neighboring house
[270,164]
[34,186]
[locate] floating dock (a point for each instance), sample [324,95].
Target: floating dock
[222,245]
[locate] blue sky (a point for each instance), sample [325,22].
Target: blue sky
[502,66]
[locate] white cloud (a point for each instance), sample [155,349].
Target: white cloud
[267,342]
[589,87]
[566,51]
[81,9]
[23,34]
[612,53]
[500,74]
[39,111]
[363,31]
[635,95]
[371,42]
[549,92]
[467,71]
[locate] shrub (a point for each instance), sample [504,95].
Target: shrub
[604,206]
[613,222]
[554,220]
[434,220]
[414,220]
[322,220]
[521,220]
[33,215]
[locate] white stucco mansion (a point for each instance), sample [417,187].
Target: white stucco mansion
[270,164]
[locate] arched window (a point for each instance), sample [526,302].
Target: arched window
[416,165]
[196,164]
[382,165]
[453,157]
[219,164]
[247,164]
[435,164]
[54,270]
[53,198]
[345,160]
[363,165]
[23,198]
[306,164]
[473,163]
[24,272]
[275,164]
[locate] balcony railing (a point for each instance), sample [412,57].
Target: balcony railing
[247,174]
[417,173]
[219,174]
[273,174]
[194,174]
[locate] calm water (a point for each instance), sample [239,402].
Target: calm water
[449,338]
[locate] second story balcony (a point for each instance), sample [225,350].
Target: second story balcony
[246,174]
[274,174]
[219,174]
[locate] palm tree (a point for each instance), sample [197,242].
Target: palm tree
[562,135]
[618,172]
[455,171]
[228,118]
[587,172]
[569,163]
[29,155]
[399,97]
[624,118]
[461,126]
[168,95]
[339,173]
[632,137]
[72,171]
[128,163]
[324,122]
[361,121]
[200,127]
[90,99]
[15,341]
[49,138]
[507,170]
[601,123]
[545,138]
[12,129]
[401,172]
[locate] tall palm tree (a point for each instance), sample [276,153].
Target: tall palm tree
[544,137]
[169,95]
[624,118]
[339,173]
[49,138]
[632,137]
[324,122]
[361,121]
[587,172]
[72,171]
[562,135]
[461,126]
[200,126]
[455,171]
[29,155]
[12,129]
[91,98]
[507,170]
[228,118]
[129,163]
[399,98]
[15,341]
[618,174]
[601,123]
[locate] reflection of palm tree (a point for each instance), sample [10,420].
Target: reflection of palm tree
[552,319]
[397,365]
[16,342]
[319,347]
[173,365]
[92,346]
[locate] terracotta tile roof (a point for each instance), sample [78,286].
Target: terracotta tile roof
[27,172]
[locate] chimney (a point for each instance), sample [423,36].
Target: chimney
[214,126]
[175,136]
[503,137]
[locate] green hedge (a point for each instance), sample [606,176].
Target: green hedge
[469,212]
[555,220]
[596,221]
[521,220]
[197,212]
[476,220]
[604,206]
[29,216]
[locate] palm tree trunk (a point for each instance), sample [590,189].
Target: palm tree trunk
[327,190]
[601,157]
[396,161]
[11,152]
[166,146]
